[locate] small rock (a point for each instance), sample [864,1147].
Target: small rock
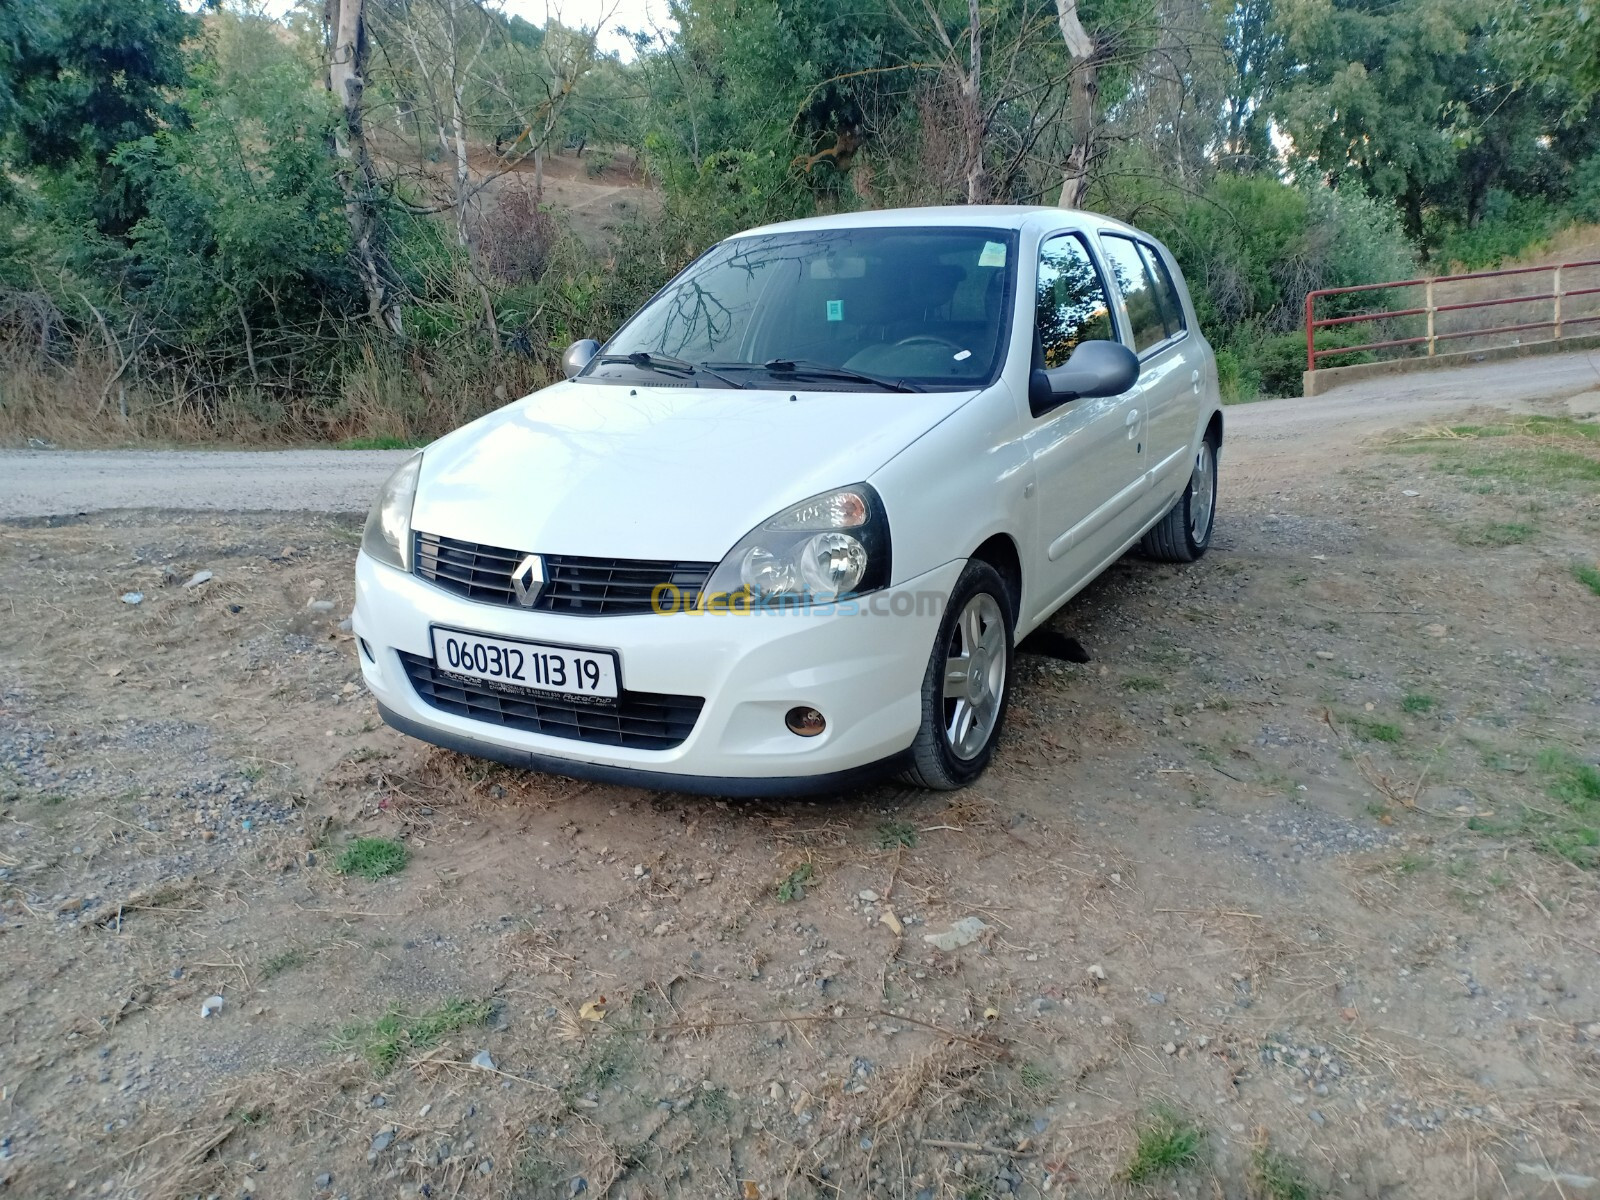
[486,1167]
[482,1061]
[868,895]
[200,577]
[1170,1048]
[578,1186]
[1549,1175]
[132,597]
[1410,492]
[1096,972]
[383,1140]
[1326,655]
[320,605]
[325,1180]
[346,625]
[210,1006]
[962,933]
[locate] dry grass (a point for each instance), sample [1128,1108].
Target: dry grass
[932,1085]
[83,400]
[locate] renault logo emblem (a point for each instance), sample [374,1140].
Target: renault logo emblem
[527,580]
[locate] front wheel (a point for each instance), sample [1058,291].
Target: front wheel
[965,687]
[1185,532]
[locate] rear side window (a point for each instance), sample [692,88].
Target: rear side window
[1138,291]
[1166,293]
[1071,306]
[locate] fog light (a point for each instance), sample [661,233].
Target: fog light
[367,650]
[804,722]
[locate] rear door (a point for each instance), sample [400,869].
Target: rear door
[1168,379]
[1086,453]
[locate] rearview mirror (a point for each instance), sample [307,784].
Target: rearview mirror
[1095,369]
[578,355]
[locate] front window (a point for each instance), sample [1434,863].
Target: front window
[1072,305]
[915,309]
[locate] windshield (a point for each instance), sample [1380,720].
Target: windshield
[909,309]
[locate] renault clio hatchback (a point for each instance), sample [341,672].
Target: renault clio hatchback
[783,532]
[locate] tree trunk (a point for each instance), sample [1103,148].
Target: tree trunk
[463,175]
[357,177]
[1084,100]
[1411,210]
[972,109]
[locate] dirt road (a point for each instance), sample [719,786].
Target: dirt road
[1289,892]
[53,483]
[40,483]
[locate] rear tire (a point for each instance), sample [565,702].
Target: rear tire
[966,685]
[1184,534]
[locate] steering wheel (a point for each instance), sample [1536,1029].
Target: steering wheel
[928,339]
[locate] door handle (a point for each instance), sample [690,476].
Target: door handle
[1133,415]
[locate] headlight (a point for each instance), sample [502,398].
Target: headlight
[831,545]
[387,536]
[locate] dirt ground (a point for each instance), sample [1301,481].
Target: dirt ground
[1290,891]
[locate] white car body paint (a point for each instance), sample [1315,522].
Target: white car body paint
[634,471]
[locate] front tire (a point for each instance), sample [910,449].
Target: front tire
[968,680]
[1184,534]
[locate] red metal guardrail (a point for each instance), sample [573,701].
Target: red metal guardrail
[1433,337]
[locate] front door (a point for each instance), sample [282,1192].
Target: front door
[1088,453]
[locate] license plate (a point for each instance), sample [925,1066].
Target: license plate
[527,666]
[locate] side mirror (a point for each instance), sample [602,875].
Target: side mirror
[577,356]
[1095,369]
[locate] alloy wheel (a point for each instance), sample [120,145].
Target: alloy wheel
[974,676]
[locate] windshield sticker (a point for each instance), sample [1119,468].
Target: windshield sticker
[965,354]
[994,255]
[835,310]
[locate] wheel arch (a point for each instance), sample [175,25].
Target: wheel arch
[1213,432]
[1000,552]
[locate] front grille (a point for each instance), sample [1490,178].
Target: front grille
[637,720]
[577,586]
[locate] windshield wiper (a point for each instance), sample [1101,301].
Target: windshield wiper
[666,364]
[819,370]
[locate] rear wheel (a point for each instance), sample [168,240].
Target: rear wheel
[965,687]
[1185,532]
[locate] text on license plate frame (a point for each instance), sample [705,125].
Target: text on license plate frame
[528,666]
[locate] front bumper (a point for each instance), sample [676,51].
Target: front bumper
[861,665]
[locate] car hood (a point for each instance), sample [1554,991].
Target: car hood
[657,472]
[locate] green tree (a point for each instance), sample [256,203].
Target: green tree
[1374,85]
[92,75]
[1558,41]
[1423,106]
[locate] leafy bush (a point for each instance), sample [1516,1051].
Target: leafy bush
[1586,189]
[1512,225]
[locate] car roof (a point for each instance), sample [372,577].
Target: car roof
[985,216]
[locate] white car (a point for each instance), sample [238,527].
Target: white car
[783,532]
